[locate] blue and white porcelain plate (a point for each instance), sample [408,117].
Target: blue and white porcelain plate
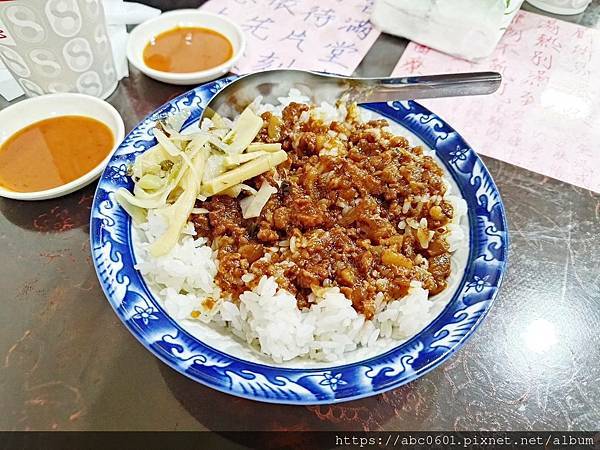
[472,296]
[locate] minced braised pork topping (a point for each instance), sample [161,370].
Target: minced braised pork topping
[356,208]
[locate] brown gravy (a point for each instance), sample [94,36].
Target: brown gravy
[53,152]
[341,211]
[187,49]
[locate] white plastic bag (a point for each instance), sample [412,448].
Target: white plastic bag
[468,29]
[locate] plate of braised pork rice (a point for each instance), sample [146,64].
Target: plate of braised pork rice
[298,252]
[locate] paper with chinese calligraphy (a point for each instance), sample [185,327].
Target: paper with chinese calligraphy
[546,115]
[325,35]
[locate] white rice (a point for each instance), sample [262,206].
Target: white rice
[267,317]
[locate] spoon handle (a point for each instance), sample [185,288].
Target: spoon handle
[418,87]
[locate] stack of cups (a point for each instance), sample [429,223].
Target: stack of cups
[55,46]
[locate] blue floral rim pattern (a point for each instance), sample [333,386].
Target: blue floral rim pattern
[110,235]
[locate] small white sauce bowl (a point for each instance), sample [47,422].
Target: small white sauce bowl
[144,33]
[27,112]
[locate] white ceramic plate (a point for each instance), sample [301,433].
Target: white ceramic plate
[142,34]
[27,112]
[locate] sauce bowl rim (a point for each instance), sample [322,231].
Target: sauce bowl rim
[55,103]
[138,39]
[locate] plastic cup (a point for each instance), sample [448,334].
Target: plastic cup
[53,46]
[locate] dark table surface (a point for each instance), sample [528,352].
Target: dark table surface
[67,362]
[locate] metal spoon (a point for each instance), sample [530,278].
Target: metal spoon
[320,87]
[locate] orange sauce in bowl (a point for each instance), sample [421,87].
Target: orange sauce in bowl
[187,49]
[53,152]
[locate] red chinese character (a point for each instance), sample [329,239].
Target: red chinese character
[503,48]
[579,33]
[539,58]
[548,41]
[582,68]
[550,25]
[538,79]
[498,65]
[527,99]
[506,82]
[496,121]
[413,64]
[518,18]
[513,34]
[422,49]
[582,52]
[515,140]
